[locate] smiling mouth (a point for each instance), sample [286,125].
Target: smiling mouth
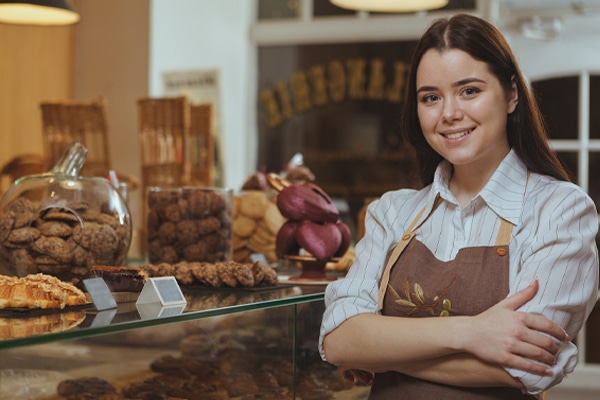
[457,135]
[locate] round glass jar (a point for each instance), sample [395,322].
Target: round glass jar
[60,223]
[189,224]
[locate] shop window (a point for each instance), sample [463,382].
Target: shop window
[559,101]
[595,107]
[324,8]
[579,150]
[339,105]
[570,160]
[278,9]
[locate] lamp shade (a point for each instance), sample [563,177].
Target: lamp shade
[37,12]
[390,5]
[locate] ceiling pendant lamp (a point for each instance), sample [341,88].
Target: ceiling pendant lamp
[37,12]
[390,5]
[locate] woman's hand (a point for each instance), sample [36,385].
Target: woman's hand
[512,339]
[356,375]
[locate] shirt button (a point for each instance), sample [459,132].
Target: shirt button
[501,251]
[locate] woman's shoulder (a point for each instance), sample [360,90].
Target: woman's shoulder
[550,186]
[405,194]
[402,200]
[544,189]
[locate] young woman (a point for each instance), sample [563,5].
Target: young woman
[474,286]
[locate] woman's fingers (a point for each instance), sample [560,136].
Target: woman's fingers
[540,323]
[356,375]
[522,296]
[514,339]
[533,321]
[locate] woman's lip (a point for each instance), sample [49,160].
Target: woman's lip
[457,133]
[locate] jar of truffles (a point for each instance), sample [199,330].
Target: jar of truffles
[191,224]
[61,223]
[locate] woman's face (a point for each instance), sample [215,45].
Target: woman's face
[463,109]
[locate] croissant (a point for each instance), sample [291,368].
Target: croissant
[38,291]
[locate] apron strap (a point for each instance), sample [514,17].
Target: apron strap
[398,249]
[504,233]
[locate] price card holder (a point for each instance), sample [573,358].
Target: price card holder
[100,294]
[163,290]
[259,257]
[103,318]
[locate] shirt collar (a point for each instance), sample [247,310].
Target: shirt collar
[504,193]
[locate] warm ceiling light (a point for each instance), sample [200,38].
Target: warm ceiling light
[37,12]
[390,5]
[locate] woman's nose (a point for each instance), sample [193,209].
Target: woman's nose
[451,110]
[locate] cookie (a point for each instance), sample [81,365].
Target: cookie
[225,272]
[273,218]
[7,222]
[56,228]
[187,232]
[24,219]
[208,225]
[243,226]
[55,247]
[243,274]
[253,204]
[23,235]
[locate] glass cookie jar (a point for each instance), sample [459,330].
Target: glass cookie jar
[189,224]
[60,223]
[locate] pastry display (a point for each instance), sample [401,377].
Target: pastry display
[118,279]
[64,241]
[189,224]
[250,362]
[39,291]
[62,224]
[220,274]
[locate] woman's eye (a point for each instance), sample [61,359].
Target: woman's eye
[429,98]
[470,91]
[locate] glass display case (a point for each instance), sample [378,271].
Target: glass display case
[222,344]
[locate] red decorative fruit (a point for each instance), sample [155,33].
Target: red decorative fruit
[320,240]
[306,202]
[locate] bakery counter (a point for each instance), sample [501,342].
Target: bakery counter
[225,344]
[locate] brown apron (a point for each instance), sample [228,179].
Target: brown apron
[419,285]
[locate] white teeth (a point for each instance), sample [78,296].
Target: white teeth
[458,134]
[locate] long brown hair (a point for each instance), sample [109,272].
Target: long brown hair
[525,126]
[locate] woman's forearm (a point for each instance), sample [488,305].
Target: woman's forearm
[500,336]
[460,370]
[378,343]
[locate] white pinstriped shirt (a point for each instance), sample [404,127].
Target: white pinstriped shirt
[553,240]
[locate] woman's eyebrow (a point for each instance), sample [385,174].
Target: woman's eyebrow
[466,81]
[461,82]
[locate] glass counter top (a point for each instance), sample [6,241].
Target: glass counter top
[27,327]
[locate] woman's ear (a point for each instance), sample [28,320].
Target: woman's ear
[513,96]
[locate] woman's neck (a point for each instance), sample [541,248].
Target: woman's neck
[468,180]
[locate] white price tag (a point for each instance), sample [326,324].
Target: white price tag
[100,294]
[164,290]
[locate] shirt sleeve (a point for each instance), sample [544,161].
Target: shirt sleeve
[357,292]
[560,251]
